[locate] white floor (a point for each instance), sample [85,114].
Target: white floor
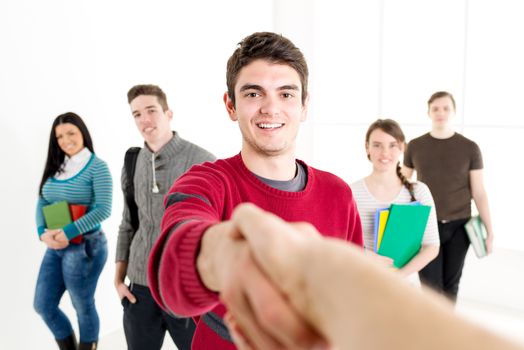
[492,292]
[506,322]
[492,295]
[117,341]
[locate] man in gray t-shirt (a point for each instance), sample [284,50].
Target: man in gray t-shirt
[444,165]
[451,165]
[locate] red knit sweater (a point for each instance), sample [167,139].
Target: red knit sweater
[206,195]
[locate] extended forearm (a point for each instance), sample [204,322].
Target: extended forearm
[359,305]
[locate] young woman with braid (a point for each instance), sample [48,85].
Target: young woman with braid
[385,185]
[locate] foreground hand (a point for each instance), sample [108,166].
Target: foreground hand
[265,316]
[263,313]
[277,246]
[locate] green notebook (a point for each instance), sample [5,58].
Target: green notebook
[477,234]
[403,233]
[57,215]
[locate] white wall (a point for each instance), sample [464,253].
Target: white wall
[385,58]
[367,58]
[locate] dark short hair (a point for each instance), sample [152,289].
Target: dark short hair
[55,155]
[150,90]
[268,46]
[440,94]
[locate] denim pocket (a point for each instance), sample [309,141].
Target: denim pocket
[75,262]
[92,246]
[88,249]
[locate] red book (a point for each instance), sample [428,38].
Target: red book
[77,211]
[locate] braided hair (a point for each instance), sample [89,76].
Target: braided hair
[407,184]
[391,127]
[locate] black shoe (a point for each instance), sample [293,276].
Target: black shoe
[68,343]
[88,346]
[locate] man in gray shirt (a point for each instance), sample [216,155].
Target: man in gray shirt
[164,157]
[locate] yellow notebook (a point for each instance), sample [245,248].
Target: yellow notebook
[383,218]
[378,229]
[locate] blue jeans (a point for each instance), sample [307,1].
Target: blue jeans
[76,269]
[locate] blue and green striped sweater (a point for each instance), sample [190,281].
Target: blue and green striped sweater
[91,187]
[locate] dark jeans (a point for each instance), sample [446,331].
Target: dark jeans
[76,269]
[443,274]
[145,323]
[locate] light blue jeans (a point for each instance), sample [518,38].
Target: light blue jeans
[76,269]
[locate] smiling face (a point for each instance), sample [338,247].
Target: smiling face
[440,112]
[69,138]
[383,150]
[268,108]
[151,120]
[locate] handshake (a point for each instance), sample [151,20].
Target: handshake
[287,287]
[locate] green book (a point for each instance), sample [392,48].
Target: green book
[57,215]
[477,234]
[403,233]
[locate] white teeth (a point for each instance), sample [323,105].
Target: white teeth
[269,126]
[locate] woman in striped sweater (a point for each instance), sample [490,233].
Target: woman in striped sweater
[76,253]
[385,185]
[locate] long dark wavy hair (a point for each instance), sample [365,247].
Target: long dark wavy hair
[55,155]
[392,128]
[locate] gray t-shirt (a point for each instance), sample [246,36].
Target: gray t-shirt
[444,165]
[296,184]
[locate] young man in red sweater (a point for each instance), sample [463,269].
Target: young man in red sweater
[197,258]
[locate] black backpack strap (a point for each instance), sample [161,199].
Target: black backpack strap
[129,186]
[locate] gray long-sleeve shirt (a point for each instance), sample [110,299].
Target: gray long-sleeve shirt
[170,162]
